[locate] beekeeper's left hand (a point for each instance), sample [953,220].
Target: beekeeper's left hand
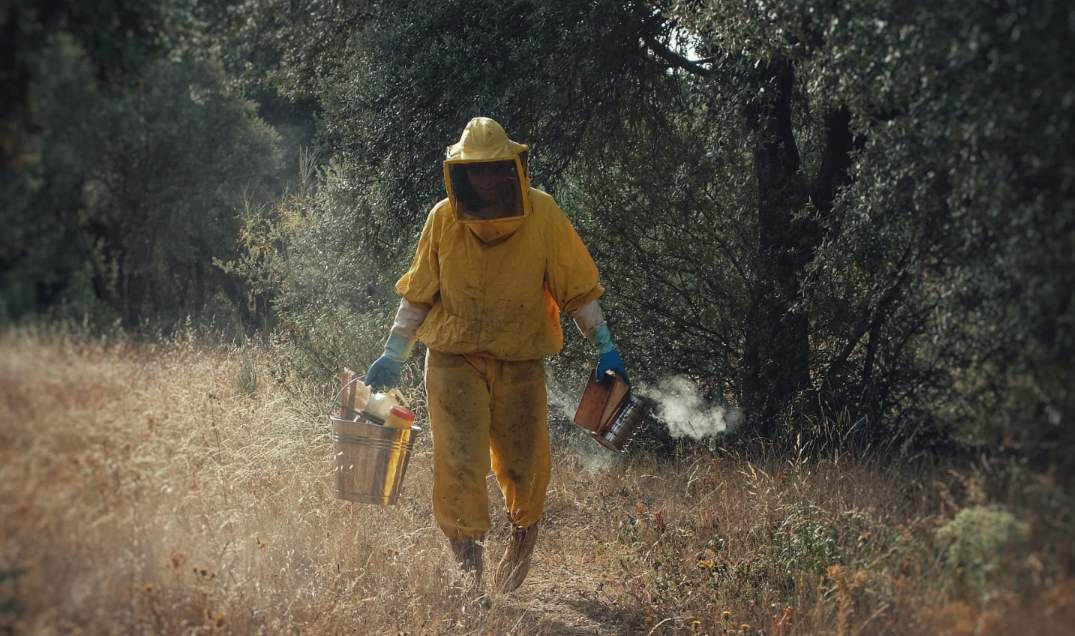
[610,359]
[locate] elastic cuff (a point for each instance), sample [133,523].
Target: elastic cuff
[399,347]
[588,318]
[602,337]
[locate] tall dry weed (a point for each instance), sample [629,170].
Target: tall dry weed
[145,489]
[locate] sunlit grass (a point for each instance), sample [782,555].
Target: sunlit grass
[155,488]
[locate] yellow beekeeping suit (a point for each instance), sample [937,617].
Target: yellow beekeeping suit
[494,271]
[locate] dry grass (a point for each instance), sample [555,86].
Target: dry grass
[155,489]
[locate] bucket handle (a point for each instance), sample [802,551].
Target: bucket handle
[340,392]
[344,388]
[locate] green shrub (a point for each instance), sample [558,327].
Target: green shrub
[805,541]
[10,607]
[977,542]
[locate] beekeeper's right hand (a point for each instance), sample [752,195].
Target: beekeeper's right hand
[384,372]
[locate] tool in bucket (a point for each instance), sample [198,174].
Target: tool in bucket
[373,438]
[611,413]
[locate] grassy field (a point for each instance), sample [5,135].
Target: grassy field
[176,489]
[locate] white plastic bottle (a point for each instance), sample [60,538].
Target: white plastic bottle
[379,406]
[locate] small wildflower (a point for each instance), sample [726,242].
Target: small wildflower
[726,624]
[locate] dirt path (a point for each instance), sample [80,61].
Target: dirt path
[557,599]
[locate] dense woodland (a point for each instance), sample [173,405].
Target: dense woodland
[853,220]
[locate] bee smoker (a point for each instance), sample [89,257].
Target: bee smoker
[610,412]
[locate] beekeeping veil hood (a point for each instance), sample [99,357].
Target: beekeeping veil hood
[496,162]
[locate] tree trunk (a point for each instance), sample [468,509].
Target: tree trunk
[199,287]
[777,354]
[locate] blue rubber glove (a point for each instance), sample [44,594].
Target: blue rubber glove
[384,372]
[609,359]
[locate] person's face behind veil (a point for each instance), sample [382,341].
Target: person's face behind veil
[488,189]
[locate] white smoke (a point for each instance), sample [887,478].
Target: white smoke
[678,403]
[680,406]
[595,459]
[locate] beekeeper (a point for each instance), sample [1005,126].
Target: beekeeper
[496,263]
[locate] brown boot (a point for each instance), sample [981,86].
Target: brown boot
[468,553]
[515,565]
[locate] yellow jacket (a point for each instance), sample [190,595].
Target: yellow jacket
[499,295]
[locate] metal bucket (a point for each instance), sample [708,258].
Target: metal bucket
[371,459]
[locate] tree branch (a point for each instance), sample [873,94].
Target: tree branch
[873,317]
[675,59]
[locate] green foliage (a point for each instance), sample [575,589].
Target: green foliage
[854,221]
[824,218]
[805,541]
[247,377]
[314,256]
[978,542]
[136,191]
[810,540]
[10,607]
[119,38]
[915,278]
[320,345]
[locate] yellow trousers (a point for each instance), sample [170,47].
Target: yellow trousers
[484,413]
